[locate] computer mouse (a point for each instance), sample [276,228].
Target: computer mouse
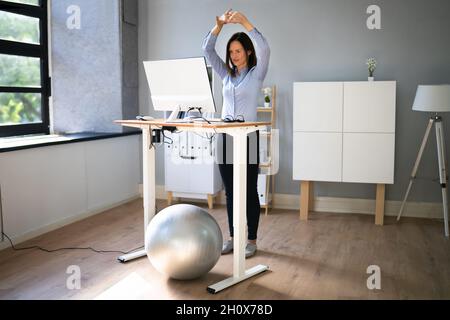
[145,118]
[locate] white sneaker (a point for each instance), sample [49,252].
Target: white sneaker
[227,247]
[250,250]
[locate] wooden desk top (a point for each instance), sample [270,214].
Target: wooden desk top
[198,124]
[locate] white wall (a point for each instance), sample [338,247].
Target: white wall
[46,188]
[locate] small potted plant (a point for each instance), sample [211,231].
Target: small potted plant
[267,93]
[371,66]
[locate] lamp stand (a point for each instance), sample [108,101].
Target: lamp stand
[437,121]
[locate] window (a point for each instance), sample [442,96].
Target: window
[24,75]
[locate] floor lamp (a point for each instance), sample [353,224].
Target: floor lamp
[435,99]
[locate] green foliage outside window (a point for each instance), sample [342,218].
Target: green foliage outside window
[15,71]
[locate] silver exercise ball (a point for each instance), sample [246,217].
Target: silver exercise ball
[183,241]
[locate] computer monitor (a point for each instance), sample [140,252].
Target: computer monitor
[180,84]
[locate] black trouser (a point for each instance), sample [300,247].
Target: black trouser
[226,171]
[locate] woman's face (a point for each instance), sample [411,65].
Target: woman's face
[238,55]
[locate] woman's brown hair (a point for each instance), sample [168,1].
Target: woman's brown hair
[247,43]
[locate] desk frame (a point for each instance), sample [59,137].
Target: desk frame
[239,133]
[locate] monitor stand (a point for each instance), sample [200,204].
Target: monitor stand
[174,115]
[178,116]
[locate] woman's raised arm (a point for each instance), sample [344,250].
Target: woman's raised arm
[209,44]
[261,46]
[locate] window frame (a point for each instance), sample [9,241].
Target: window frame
[30,50]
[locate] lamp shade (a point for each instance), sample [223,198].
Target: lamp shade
[432,98]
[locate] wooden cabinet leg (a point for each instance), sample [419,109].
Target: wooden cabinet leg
[169,198]
[379,209]
[311,195]
[210,201]
[304,199]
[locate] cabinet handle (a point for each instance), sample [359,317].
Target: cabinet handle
[188,158]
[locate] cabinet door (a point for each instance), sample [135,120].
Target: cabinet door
[318,106]
[201,178]
[369,157]
[176,169]
[369,106]
[317,156]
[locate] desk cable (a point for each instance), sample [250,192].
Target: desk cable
[70,248]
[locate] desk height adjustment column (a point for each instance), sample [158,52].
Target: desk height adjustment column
[149,198]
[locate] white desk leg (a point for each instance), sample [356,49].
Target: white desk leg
[239,217]
[148,153]
[239,203]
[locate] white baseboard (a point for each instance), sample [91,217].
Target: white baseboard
[430,210]
[61,223]
[361,206]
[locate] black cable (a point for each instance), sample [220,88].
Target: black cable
[194,108]
[166,137]
[239,118]
[73,248]
[211,138]
[205,136]
[209,122]
[69,248]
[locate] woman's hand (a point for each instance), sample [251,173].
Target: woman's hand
[221,21]
[238,17]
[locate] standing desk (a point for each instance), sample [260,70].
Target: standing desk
[239,131]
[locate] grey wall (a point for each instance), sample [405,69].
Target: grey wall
[322,40]
[93,82]
[130,79]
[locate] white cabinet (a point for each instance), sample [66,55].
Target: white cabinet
[190,167]
[344,131]
[268,157]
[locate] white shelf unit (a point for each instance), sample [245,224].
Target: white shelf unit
[266,181]
[344,132]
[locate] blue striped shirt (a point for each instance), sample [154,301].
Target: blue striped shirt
[240,93]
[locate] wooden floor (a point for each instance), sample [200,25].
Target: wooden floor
[324,258]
